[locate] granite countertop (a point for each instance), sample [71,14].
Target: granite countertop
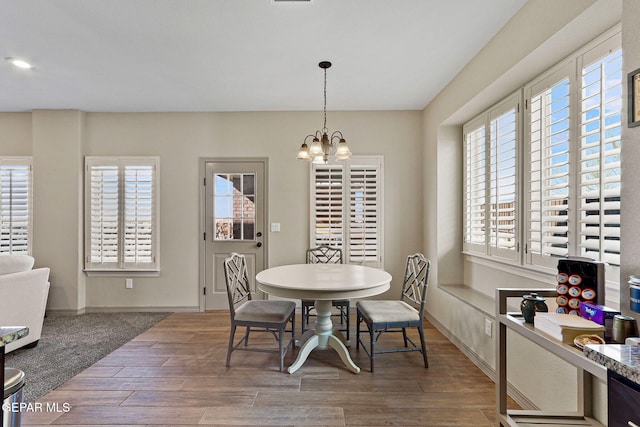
[620,358]
[9,334]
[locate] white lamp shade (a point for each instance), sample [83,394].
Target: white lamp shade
[316,148]
[303,154]
[343,152]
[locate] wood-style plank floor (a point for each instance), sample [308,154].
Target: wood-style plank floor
[174,374]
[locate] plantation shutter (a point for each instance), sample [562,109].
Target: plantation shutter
[599,159]
[138,214]
[364,214]
[491,181]
[122,214]
[104,213]
[475,174]
[15,206]
[549,179]
[327,201]
[346,208]
[503,178]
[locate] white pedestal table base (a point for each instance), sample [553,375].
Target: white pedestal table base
[323,337]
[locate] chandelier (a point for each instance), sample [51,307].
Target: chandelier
[321,143]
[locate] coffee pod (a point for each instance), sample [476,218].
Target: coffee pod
[588,294]
[574,291]
[575,279]
[574,303]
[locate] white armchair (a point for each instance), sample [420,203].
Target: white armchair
[23,297]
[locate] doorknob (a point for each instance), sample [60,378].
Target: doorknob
[259,244]
[259,234]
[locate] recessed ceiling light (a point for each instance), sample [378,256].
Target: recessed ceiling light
[18,63]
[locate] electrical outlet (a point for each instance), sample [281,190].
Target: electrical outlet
[128,283]
[488,327]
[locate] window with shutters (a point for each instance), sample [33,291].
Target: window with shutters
[346,208]
[491,144]
[574,127]
[562,176]
[475,148]
[549,119]
[599,171]
[15,205]
[121,214]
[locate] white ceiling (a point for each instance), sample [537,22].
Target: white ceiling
[238,55]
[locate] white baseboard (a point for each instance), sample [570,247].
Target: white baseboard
[64,311]
[181,309]
[487,369]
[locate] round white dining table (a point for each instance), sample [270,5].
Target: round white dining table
[323,283]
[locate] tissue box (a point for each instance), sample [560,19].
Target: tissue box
[601,315]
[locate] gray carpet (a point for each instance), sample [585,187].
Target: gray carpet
[69,344]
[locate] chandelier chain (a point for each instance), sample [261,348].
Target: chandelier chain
[325,98]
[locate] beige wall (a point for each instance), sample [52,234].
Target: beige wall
[16,135]
[58,140]
[630,226]
[57,201]
[542,33]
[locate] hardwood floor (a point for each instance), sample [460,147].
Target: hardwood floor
[175,374]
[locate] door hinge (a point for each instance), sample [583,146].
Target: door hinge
[204,236]
[204,291]
[204,181]
[526,248]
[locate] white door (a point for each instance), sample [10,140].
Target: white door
[235,221]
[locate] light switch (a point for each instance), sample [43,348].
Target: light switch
[275,227]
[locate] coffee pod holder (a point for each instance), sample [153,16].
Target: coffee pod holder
[579,280]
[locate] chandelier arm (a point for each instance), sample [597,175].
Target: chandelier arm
[309,136]
[336,134]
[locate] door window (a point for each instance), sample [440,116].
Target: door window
[234,206]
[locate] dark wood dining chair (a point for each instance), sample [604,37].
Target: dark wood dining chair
[326,255]
[255,315]
[397,315]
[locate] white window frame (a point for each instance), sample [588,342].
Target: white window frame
[542,84]
[572,70]
[8,224]
[481,183]
[121,263]
[342,211]
[528,263]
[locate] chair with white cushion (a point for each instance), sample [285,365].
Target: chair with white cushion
[259,316]
[23,297]
[398,315]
